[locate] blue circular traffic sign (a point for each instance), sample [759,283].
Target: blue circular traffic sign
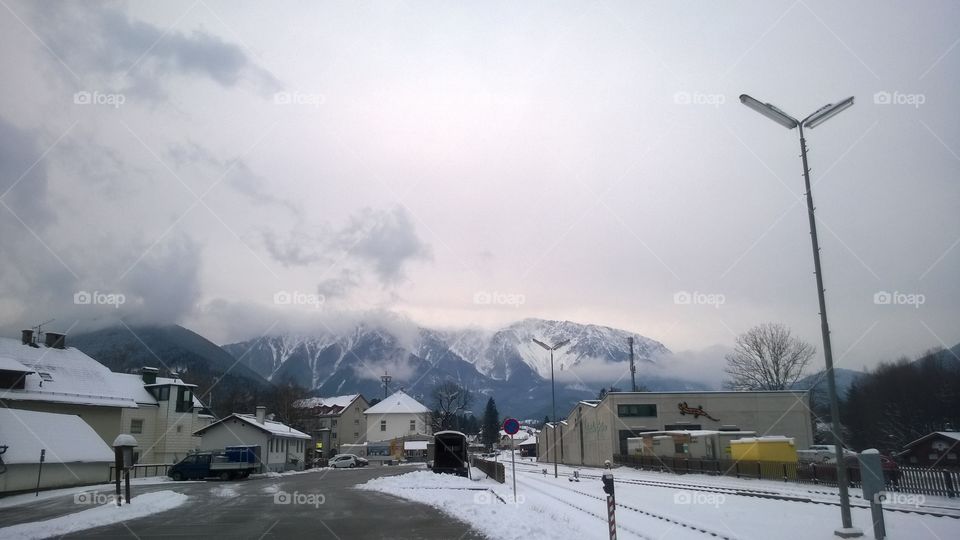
[511,426]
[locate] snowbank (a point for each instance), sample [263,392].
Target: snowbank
[107,514]
[486,505]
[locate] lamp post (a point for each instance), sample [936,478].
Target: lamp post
[818,117]
[553,396]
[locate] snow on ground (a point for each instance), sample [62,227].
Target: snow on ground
[548,507]
[106,514]
[26,498]
[480,503]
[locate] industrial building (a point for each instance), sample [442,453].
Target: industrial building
[594,431]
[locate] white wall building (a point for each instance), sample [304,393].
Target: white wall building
[396,417]
[73,453]
[282,448]
[161,413]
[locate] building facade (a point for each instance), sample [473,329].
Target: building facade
[940,449]
[282,448]
[160,412]
[595,431]
[398,416]
[333,422]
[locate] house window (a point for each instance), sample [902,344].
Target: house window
[641,410]
[413,425]
[164,393]
[357,434]
[383,425]
[179,429]
[323,423]
[333,423]
[136,425]
[333,435]
[185,400]
[356,421]
[136,457]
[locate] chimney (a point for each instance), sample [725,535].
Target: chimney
[26,337]
[55,340]
[149,375]
[261,414]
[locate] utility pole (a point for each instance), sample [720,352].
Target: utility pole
[386,383]
[633,367]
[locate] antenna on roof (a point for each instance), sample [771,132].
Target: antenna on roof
[386,383]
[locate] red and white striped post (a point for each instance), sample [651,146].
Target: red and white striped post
[611,504]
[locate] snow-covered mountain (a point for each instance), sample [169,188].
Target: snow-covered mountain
[504,363]
[500,355]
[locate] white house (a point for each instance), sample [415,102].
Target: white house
[73,453]
[161,413]
[397,416]
[282,448]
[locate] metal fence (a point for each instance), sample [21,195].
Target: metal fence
[492,469]
[144,470]
[917,480]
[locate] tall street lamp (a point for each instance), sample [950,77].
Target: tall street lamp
[818,117]
[553,395]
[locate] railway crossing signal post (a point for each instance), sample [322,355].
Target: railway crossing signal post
[511,426]
[611,504]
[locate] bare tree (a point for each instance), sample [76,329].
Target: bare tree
[767,357]
[449,401]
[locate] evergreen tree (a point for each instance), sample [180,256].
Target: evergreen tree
[490,431]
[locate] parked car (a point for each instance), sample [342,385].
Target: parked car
[343,461]
[821,453]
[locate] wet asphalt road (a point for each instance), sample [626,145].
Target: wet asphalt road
[252,508]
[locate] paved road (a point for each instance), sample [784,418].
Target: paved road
[247,509]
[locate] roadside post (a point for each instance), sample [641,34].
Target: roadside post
[511,426]
[871,475]
[43,455]
[611,504]
[123,447]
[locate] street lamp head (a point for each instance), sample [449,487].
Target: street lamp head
[542,344]
[827,113]
[769,111]
[548,347]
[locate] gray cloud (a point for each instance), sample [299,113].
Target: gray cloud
[381,241]
[112,43]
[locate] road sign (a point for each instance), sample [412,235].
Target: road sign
[511,426]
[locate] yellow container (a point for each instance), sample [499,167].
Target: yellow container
[779,449]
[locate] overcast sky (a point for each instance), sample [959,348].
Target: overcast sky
[472,164]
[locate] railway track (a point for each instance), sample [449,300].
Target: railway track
[749,492]
[667,519]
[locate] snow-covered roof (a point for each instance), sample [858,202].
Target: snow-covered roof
[132,385]
[955,435]
[768,438]
[63,376]
[398,403]
[65,437]
[529,441]
[9,364]
[415,445]
[327,405]
[272,427]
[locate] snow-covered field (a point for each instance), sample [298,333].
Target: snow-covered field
[98,516]
[548,507]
